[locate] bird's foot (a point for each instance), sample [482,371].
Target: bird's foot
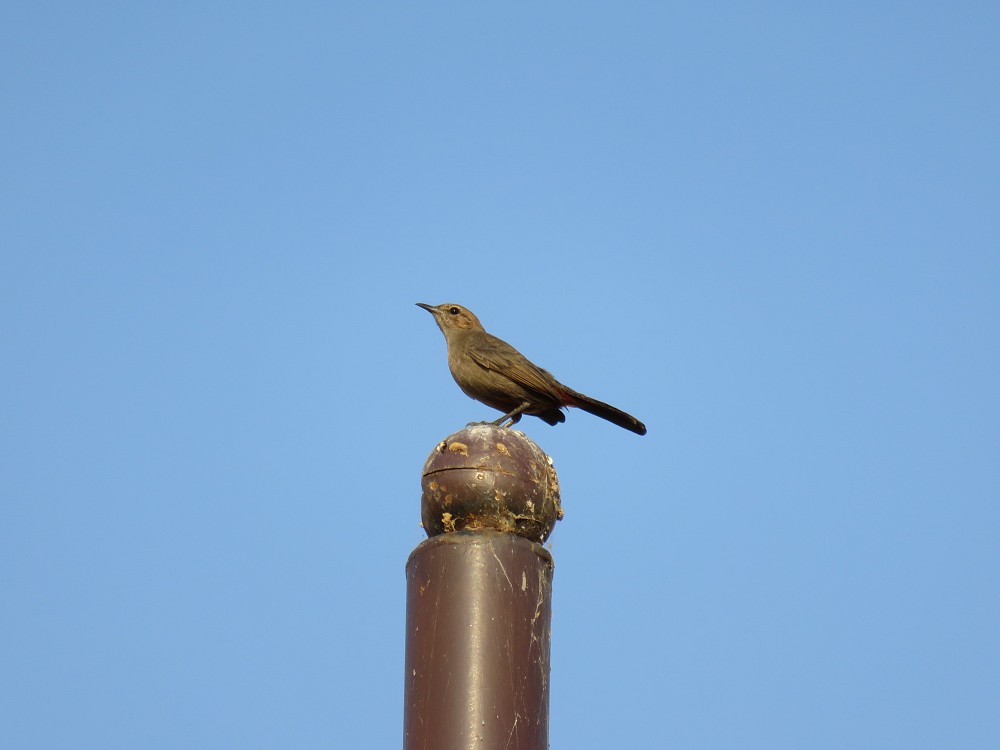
[494,423]
[512,417]
[507,420]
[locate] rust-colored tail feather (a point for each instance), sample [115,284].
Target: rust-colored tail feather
[602,410]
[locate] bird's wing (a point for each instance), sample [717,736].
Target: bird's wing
[499,356]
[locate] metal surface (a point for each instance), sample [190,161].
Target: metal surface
[477,643]
[489,477]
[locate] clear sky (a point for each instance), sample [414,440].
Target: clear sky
[768,230]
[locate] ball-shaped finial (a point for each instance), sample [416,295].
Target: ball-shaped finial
[489,477]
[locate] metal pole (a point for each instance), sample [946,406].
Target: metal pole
[479,596]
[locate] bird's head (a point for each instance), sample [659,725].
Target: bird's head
[452,317]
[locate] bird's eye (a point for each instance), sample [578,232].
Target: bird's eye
[454,311]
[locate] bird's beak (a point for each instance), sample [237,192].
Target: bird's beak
[428,308]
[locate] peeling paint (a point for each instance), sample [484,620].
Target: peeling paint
[457,447]
[448,522]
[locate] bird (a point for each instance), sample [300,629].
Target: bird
[493,372]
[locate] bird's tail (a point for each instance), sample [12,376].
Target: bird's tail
[602,410]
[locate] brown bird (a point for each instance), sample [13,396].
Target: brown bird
[492,371]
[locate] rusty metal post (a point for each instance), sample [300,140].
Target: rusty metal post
[479,596]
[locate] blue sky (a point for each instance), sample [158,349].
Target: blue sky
[767,230]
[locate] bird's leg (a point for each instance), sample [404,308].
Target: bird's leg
[513,416]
